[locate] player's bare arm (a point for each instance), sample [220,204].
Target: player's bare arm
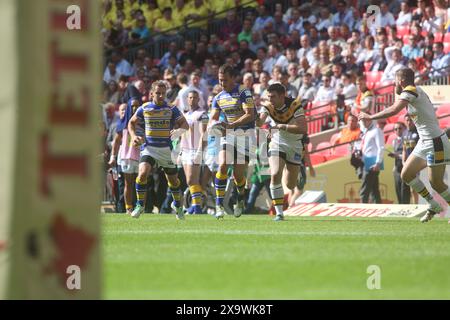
[298,127]
[248,116]
[137,140]
[386,113]
[213,117]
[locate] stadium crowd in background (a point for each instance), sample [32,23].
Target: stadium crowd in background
[320,51]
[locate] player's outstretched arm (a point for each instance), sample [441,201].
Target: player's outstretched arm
[386,113]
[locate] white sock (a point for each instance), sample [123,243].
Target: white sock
[417,185]
[277,194]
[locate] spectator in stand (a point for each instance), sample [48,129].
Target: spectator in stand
[335,54]
[291,91]
[247,81]
[372,150]
[416,30]
[326,19]
[172,88]
[307,91]
[348,89]
[379,63]
[111,73]
[344,15]
[394,64]
[291,55]
[325,94]
[419,12]
[275,57]
[368,53]
[172,51]
[336,76]
[187,53]
[246,33]
[248,67]
[263,18]
[122,66]
[402,190]
[325,64]
[304,67]
[214,46]
[381,38]
[261,87]
[111,93]
[166,22]
[201,54]
[279,26]
[315,61]
[385,18]
[432,23]
[294,5]
[141,31]
[440,61]
[230,25]
[245,52]
[349,133]
[257,68]
[405,15]
[341,110]
[297,22]
[412,50]
[132,90]
[306,51]
[334,38]
[365,99]
[116,37]
[294,78]
[276,74]
[257,41]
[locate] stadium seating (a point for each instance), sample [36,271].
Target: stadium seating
[342,150]
[317,159]
[405,39]
[390,139]
[447,37]
[443,110]
[323,145]
[446,47]
[402,31]
[438,37]
[373,78]
[367,65]
[333,138]
[388,127]
[444,122]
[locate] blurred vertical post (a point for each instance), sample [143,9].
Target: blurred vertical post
[50,142]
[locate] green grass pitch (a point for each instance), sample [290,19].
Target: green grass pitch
[253,257]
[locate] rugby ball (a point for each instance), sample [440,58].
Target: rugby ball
[216,128]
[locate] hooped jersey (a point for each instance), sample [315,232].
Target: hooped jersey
[422,112]
[159,121]
[291,110]
[233,104]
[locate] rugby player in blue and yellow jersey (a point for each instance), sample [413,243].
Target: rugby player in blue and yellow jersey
[159,120]
[239,142]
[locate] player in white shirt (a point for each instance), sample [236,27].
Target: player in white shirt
[191,149]
[433,148]
[285,148]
